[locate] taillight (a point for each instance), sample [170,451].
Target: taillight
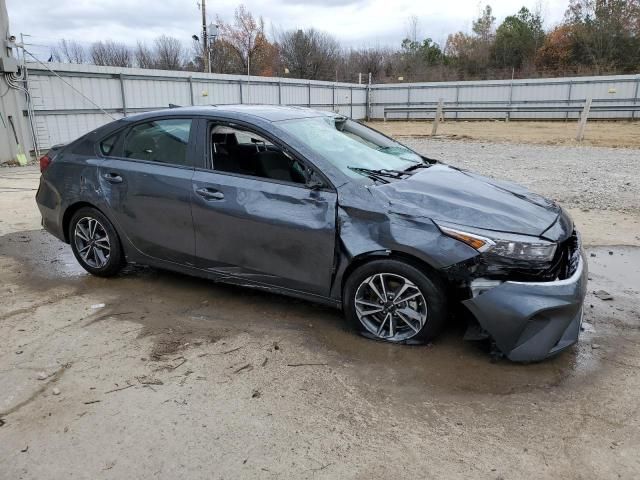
[45,161]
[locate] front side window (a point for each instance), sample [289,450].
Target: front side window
[349,145]
[162,141]
[240,151]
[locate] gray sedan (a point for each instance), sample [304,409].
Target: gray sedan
[317,206]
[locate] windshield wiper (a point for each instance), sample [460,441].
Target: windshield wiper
[416,166]
[379,174]
[372,174]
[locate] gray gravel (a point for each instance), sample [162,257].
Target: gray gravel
[578,177]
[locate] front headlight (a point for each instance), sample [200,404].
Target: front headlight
[507,245]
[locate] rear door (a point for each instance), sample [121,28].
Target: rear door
[146,177]
[275,231]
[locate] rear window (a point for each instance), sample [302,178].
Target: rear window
[162,141]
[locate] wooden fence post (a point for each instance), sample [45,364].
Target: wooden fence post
[583,120]
[436,119]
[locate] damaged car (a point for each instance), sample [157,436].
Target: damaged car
[315,205]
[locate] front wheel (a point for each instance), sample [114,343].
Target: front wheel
[95,243]
[393,301]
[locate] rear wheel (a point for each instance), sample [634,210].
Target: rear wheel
[393,301]
[95,243]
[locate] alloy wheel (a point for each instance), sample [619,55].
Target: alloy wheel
[390,307]
[92,242]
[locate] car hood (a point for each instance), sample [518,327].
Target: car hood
[448,194]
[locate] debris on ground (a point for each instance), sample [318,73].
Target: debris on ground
[248,366]
[167,346]
[145,380]
[56,391]
[603,295]
[230,351]
[307,364]
[118,389]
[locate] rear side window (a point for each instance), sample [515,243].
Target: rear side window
[162,141]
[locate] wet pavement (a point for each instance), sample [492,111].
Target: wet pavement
[163,375]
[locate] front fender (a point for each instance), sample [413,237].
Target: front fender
[363,233]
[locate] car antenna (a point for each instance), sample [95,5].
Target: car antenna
[173,105]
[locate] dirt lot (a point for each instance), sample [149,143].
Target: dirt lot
[158,375]
[602,134]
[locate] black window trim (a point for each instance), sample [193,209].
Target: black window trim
[208,121]
[122,132]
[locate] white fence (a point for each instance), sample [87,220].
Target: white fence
[62,114]
[549,92]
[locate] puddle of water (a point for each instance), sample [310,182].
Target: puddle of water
[618,266]
[177,306]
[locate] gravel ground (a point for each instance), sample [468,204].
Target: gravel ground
[578,177]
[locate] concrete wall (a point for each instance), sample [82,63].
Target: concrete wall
[13,124]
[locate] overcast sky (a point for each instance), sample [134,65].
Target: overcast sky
[355,23]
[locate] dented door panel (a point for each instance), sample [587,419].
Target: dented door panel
[265,231]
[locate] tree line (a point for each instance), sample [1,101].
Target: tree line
[595,37]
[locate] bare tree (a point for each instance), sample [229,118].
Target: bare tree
[110,53]
[412,28]
[69,51]
[368,60]
[309,54]
[169,53]
[144,56]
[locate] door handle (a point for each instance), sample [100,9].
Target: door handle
[113,177]
[210,194]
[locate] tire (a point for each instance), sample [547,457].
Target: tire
[95,243]
[414,309]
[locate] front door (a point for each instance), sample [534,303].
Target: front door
[256,219]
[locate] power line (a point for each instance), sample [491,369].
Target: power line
[71,86]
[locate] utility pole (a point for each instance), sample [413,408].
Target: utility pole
[15,141]
[249,72]
[205,41]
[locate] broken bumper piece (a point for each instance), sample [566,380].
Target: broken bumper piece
[530,321]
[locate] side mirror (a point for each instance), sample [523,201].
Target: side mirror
[315,184]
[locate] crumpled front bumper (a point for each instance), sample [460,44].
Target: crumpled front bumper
[530,321]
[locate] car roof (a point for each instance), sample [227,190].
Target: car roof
[270,113]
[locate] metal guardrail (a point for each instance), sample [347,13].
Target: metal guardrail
[512,109]
[584,111]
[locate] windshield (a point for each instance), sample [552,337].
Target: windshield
[350,146]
